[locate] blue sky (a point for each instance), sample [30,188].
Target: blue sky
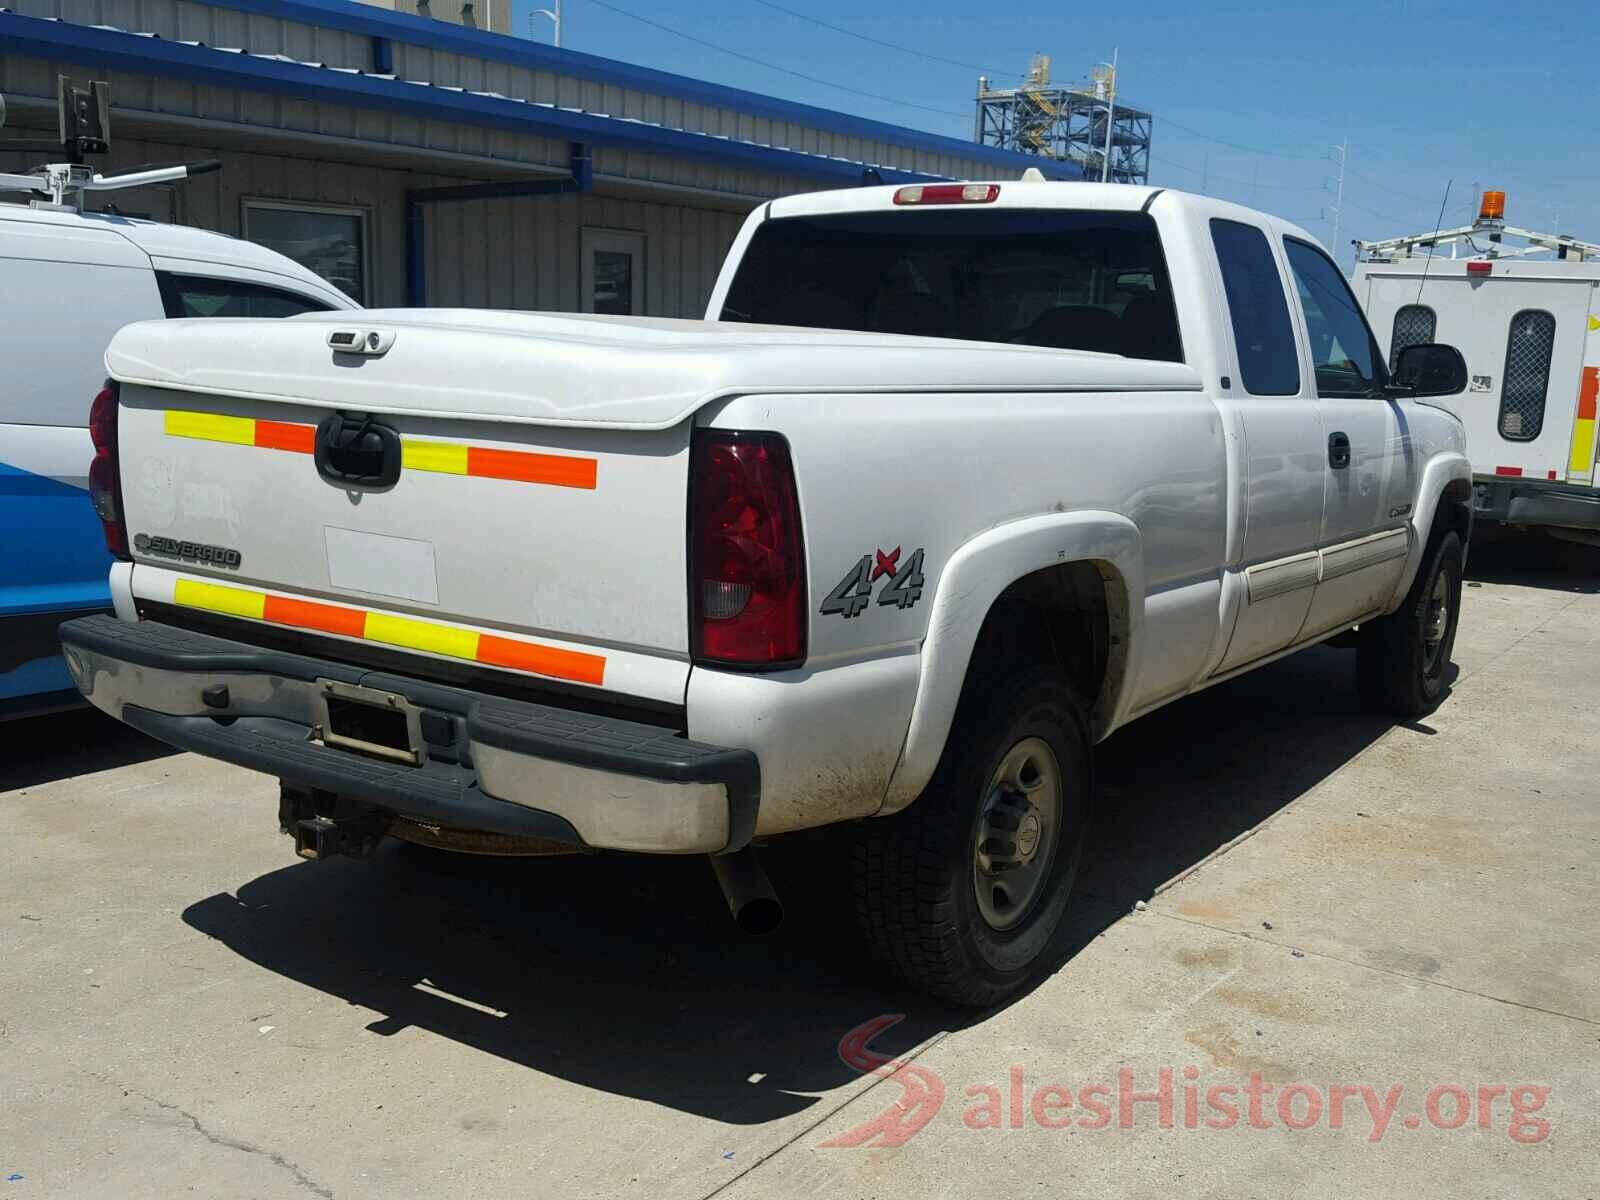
[1507,95]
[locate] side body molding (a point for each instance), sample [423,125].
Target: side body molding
[973,579]
[1440,470]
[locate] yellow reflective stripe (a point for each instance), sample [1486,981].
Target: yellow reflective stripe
[433,456]
[422,635]
[214,598]
[1582,447]
[211,428]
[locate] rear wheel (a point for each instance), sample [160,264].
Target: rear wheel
[1401,659]
[962,894]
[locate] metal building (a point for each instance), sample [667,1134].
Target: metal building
[1067,124]
[413,160]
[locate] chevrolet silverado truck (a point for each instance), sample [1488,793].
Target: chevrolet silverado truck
[954,481]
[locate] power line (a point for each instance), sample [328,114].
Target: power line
[944,112]
[1165,120]
[886,45]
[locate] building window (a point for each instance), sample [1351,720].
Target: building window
[1527,375]
[1414,325]
[612,272]
[328,240]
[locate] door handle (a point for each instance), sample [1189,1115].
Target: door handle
[1338,450]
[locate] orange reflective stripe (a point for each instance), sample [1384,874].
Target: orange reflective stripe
[452,641]
[281,435]
[526,467]
[452,458]
[307,614]
[541,660]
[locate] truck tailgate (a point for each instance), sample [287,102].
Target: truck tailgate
[553,552]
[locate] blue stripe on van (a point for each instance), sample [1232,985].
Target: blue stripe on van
[53,559]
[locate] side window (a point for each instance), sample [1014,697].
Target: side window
[1414,325]
[1344,354]
[1269,364]
[201,296]
[1527,375]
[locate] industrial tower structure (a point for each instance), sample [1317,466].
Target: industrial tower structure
[1067,123]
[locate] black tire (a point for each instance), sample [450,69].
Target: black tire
[1399,669]
[915,880]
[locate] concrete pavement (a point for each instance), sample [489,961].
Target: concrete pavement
[1331,904]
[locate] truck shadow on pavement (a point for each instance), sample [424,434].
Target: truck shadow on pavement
[80,741]
[625,973]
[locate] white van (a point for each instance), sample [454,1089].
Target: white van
[68,281]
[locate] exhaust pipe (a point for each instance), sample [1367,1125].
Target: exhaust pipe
[755,906]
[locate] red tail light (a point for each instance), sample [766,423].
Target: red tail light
[105,478]
[747,574]
[948,193]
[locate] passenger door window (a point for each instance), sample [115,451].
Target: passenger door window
[202,296]
[1344,354]
[1269,364]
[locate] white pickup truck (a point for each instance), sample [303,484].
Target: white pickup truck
[955,481]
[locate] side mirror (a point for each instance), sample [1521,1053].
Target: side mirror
[1430,369]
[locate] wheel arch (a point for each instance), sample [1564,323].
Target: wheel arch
[1044,562]
[1445,491]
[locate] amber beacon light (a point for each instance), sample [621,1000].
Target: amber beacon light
[1493,207]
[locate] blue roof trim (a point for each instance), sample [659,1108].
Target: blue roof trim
[146,54]
[458,39]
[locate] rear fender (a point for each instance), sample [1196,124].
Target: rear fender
[973,579]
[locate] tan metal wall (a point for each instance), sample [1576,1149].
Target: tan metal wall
[511,253]
[220,27]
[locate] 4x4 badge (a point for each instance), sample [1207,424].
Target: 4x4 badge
[854,593]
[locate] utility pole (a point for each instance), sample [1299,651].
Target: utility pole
[1111,113]
[555,19]
[1343,151]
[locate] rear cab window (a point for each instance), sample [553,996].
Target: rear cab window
[205,296]
[1264,342]
[1067,279]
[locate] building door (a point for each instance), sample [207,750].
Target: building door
[613,272]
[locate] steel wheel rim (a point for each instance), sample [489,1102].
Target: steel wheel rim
[1018,833]
[1436,621]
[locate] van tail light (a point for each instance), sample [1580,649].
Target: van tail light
[747,562]
[105,476]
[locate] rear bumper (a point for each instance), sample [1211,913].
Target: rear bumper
[1535,502]
[487,764]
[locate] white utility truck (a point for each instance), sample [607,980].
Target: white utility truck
[1525,309]
[956,480]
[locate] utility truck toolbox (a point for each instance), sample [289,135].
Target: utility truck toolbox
[952,482]
[1525,308]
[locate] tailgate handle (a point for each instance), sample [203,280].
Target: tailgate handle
[354,450]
